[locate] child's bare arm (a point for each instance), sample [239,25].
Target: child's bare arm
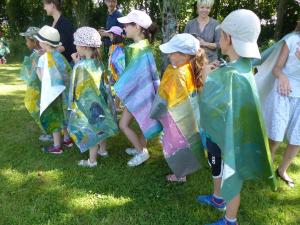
[39,73]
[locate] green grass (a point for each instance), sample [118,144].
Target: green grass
[38,188]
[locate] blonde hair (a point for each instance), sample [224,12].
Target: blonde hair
[199,63]
[209,3]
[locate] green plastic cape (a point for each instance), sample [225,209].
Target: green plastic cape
[91,120]
[231,116]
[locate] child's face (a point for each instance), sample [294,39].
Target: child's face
[81,50]
[30,43]
[178,59]
[225,42]
[131,30]
[46,47]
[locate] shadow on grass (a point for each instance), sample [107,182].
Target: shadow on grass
[9,73]
[39,188]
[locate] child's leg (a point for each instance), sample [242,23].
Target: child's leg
[102,145]
[67,139]
[143,141]
[273,147]
[66,134]
[216,163]
[232,208]
[57,138]
[289,155]
[92,161]
[130,134]
[102,149]
[93,154]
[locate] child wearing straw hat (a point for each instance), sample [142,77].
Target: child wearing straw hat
[54,72]
[29,75]
[91,121]
[231,116]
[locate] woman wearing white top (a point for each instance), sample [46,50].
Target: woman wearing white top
[282,108]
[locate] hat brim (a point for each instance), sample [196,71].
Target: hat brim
[246,49]
[85,45]
[124,20]
[47,42]
[167,48]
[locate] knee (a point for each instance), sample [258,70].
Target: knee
[122,126]
[216,164]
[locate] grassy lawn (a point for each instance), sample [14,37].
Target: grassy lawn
[38,188]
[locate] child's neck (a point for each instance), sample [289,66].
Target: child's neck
[138,38]
[49,49]
[88,54]
[233,56]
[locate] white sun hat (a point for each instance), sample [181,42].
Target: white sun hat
[243,26]
[184,43]
[48,35]
[87,36]
[137,16]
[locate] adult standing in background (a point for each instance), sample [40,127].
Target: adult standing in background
[112,20]
[64,27]
[204,28]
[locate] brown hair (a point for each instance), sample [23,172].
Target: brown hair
[150,32]
[117,39]
[199,63]
[58,3]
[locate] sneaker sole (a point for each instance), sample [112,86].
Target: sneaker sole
[139,163]
[206,203]
[68,146]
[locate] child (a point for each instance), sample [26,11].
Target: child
[90,120]
[280,96]
[116,60]
[176,105]
[28,74]
[4,49]
[53,71]
[138,84]
[231,117]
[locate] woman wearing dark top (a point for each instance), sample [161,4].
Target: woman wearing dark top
[64,27]
[204,28]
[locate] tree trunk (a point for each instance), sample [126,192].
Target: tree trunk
[169,26]
[281,10]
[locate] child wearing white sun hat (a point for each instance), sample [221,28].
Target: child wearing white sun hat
[91,121]
[231,116]
[138,84]
[176,105]
[54,73]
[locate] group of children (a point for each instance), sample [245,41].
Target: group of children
[77,102]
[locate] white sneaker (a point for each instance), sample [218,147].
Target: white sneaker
[46,137]
[102,153]
[139,158]
[87,163]
[132,151]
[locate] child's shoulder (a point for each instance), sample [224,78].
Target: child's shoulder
[292,39]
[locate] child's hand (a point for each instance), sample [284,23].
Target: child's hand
[284,86]
[214,65]
[75,57]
